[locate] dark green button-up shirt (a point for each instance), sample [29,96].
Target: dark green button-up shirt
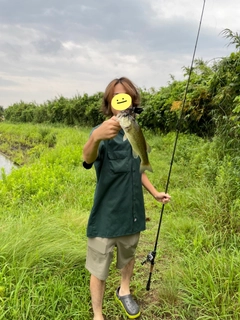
[118,208]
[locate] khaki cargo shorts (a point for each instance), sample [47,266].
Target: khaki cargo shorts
[100,253]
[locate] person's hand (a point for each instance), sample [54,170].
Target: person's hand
[108,129]
[162,197]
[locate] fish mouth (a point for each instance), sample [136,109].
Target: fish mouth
[124,113]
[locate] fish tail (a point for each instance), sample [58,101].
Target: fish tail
[146,166]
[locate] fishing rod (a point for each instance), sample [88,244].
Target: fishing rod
[151,256]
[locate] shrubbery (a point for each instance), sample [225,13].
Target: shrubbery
[212,104]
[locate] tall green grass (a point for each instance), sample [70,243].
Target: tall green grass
[43,216]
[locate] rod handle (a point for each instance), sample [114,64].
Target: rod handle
[149,282]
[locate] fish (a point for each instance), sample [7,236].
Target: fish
[134,134]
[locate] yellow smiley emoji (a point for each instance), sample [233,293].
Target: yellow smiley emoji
[121,101]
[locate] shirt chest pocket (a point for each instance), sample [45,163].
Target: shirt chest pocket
[119,161]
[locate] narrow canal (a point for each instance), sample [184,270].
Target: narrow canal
[6,164]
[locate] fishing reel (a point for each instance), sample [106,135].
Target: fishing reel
[150,258]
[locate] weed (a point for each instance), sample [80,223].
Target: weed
[44,210]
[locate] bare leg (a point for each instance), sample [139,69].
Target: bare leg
[126,273]
[97,288]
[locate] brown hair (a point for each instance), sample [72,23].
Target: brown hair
[131,89]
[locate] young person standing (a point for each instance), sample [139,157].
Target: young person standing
[117,216]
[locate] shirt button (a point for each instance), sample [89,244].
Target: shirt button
[135,219]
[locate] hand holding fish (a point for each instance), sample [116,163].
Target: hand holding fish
[108,129]
[162,197]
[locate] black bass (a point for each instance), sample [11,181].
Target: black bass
[136,138]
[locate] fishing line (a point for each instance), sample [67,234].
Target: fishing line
[151,256]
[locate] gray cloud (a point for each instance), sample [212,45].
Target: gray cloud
[11,51]
[7,83]
[48,46]
[60,46]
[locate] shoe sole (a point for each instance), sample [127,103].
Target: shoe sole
[130,316]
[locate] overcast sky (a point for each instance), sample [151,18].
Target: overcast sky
[50,48]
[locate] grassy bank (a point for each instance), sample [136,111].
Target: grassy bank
[44,210]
